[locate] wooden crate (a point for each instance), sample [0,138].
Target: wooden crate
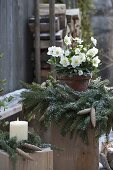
[60,12]
[76,155]
[43,160]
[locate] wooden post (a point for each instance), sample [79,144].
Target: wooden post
[52,21]
[52,26]
[37,43]
[75,154]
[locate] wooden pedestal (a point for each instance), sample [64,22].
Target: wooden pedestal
[42,160]
[76,154]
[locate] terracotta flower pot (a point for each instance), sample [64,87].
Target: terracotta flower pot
[78,83]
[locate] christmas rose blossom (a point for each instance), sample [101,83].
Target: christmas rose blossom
[75,61]
[82,57]
[75,57]
[51,50]
[92,52]
[67,40]
[94,41]
[80,72]
[77,51]
[64,61]
[66,53]
[96,61]
[78,40]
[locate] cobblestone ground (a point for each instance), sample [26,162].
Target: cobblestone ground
[102,24]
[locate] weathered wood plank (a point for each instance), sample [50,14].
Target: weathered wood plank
[74,21]
[63,21]
[46,44]
[4,161]
[46,19]
[12,107]
[46,36]
[14,42]
[52,21]
[75,154]
[44,73]
[37,43]
[60,23]
[70,13]
[42,160]
[44,25]
[11,111]
[59,9]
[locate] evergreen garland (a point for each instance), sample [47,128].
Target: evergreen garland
[10,145]
[60,104]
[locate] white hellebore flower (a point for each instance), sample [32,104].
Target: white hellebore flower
[96,61]
[94,41]
[67,40]
[58,52]
[77,51]
[80,72]
[64,61]
[66,52]
[92,52]
[75,61]
[82,57]
[51,50]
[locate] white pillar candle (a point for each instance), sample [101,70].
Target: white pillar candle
[19,129]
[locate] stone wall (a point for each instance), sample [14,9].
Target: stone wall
[102,24]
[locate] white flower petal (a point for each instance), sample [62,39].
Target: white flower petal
[80,72]
[92,52]
[94,41]
[51,50]
[67,52]
[78,40]
[57,52]
[75,61]
[64,61]
[96,61]
[82,57]
[67,40]
[77,51]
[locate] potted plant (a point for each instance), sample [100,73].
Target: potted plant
[77,114]
[75,62]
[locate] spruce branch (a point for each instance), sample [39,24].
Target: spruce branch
[60,104]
